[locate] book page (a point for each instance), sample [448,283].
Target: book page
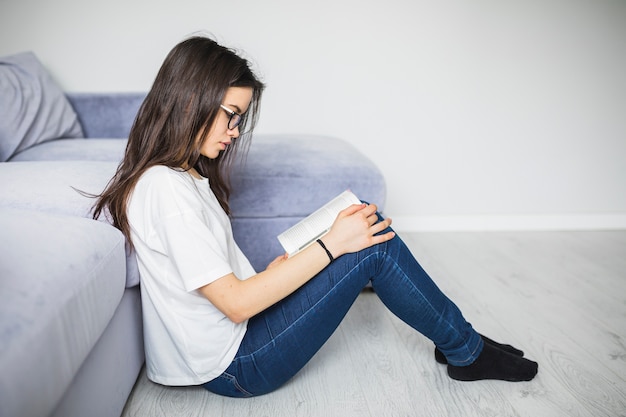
[316,225]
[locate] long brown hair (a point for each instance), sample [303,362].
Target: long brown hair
[185,97]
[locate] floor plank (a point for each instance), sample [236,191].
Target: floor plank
[560,296]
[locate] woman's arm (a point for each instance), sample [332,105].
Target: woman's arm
[353,230]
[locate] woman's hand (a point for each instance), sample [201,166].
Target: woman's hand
[354,230]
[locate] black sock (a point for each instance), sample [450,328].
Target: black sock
[440,357]
[494,363]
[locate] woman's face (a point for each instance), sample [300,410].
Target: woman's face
[236,99]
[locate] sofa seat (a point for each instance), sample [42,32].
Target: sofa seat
[293,175]
[282,175]
[61,280]
[74,149]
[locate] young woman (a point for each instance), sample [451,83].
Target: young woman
[209,318]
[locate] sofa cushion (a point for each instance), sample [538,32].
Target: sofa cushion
[106,115]
[51,187]
[34,109]
[294,175]
[61,279]
[75,149]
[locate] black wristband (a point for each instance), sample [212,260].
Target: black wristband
[330,255]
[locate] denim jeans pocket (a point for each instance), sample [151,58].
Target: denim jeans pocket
[227,385]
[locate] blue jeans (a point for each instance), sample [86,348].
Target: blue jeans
[283,338]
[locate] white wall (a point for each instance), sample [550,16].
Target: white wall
[484,114]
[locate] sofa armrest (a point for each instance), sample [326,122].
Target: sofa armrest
[106,115]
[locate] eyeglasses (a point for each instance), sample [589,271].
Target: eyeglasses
[234,119]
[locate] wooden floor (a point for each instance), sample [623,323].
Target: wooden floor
[560,296]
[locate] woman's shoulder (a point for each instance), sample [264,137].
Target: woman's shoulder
[163,186]
[160,177]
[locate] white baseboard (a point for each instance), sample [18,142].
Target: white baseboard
[510,222]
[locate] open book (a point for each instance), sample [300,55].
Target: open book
[316,225]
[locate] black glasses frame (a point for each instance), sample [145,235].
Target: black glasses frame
[234,119]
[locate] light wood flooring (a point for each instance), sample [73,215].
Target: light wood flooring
[559,296]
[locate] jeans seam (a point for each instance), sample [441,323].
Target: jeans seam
[233,379]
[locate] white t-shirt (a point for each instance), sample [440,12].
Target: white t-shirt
[183,240]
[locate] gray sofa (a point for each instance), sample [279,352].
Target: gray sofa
[70,308]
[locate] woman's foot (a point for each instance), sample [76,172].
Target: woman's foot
[495,363]
[440,357]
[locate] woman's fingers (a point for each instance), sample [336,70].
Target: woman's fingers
[380,226]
